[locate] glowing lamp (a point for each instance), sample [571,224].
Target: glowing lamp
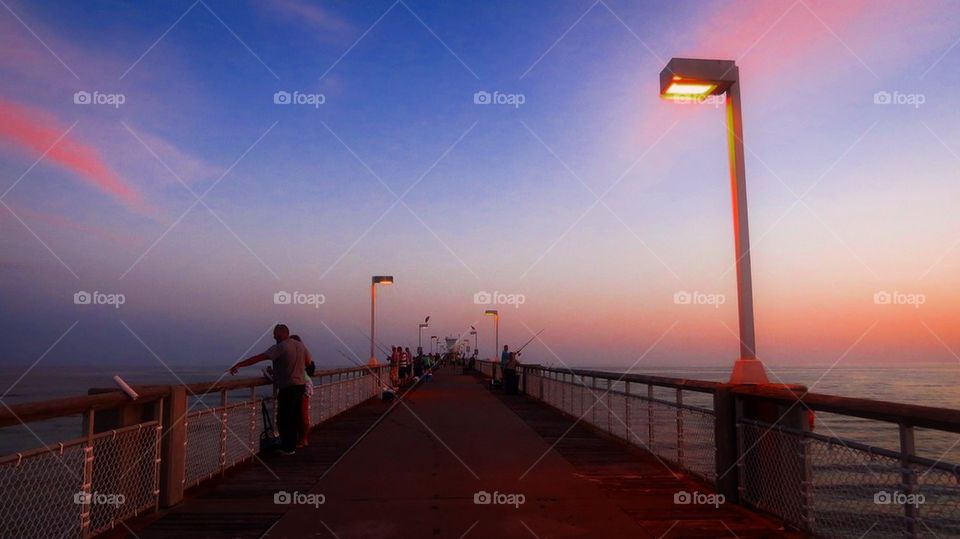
[687,78]
[695,79]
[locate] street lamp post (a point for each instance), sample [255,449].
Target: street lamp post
[686,78]
[496,329]
[420,332]
[432,338]
[377,279]
[473,331]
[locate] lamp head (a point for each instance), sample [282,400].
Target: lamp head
[383,279]
[690,78]
[492,312]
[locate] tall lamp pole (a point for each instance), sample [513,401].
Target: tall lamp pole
[686,78]
[473,331]
[420,332]
[377,279]
[496,329]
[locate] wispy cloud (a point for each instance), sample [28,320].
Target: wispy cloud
[37,133]
[319,18]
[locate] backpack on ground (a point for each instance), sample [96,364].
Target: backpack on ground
[268,440]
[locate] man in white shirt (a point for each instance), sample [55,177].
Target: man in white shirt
[289,358]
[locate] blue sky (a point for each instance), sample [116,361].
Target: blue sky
[495,197]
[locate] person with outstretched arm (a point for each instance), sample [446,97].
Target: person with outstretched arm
[289,358]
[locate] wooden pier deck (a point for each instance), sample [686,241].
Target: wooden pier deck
[412,468]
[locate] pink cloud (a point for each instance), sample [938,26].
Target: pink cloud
[36,132]
[311,14]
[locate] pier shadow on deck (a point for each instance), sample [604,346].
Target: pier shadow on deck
[418,468]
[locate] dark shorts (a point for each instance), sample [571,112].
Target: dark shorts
[405,371]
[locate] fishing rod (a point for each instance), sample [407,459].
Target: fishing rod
[377,344]
[350,359]
[537,334]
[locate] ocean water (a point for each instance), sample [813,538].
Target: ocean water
[929,385]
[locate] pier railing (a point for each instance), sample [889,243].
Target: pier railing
[757,445]
[138,455]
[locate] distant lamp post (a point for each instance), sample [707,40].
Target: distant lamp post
[473,331]
[496,329]
[420,332]
[377,279]
[686,78]
[432,338]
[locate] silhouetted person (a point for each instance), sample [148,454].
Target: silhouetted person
[504,357]
[289,358]
[418,363]
[511,381]
[303,436]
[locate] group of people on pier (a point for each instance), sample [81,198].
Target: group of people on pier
[405,367]
[292,366]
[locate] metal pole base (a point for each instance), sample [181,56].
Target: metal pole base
[748,372]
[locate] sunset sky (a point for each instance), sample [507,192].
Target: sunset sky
[398,171]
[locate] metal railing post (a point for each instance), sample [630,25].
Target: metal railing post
[173,447]
[223,431]
[650,421]
[252,440]
[680,427]
[609,406]
[594,411]
[87,483]
[626,412]
[725,435]
[909,480]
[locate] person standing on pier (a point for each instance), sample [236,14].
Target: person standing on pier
[289,358]
[303,435]
[418,364]
[404,365]
[504,358]
[394,360]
